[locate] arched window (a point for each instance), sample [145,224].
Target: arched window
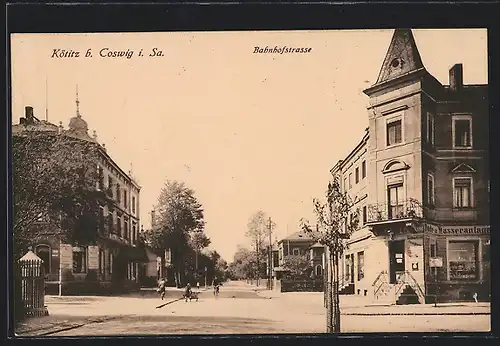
[43,251]
[319,270]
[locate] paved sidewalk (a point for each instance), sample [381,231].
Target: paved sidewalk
[69,312]
[355,305]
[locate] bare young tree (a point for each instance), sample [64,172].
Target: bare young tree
[336,219]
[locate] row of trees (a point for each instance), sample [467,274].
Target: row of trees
[179,226]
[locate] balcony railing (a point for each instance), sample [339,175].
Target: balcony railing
[408,209]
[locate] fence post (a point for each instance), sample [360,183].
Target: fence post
[32,281]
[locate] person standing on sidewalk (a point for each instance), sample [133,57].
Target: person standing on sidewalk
[161,287]
[198,285]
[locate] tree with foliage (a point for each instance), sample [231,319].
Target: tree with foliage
[258,231]
[335,222]
[297,266]
[179,214]
[54,188]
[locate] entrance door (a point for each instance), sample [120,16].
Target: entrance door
[349,268]
[396,259]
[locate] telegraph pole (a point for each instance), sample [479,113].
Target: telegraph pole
[270,269]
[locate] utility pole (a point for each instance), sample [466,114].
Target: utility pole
[270,269]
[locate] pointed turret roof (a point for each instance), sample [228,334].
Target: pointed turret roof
[401,58]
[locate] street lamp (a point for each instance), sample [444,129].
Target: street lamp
[205,278]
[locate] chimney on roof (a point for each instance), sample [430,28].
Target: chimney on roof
[28,113]
[456,77]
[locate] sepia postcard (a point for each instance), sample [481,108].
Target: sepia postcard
[250,182]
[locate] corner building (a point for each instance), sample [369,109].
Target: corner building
[420,181]
[111,264]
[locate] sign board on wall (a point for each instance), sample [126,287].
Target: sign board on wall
[436,262]
[66,256]
[458,230]
[55,252]
[93,253]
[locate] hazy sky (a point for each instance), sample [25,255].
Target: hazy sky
[246,131]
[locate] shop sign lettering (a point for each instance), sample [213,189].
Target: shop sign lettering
[458,230]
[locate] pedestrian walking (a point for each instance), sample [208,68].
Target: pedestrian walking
[187,292]
[161,287]
[198,285]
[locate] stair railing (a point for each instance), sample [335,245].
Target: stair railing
[380,284]
[408,279]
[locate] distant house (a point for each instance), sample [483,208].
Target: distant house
[148,271]
[296,244]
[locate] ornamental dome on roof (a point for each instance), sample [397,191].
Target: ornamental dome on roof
[78,124]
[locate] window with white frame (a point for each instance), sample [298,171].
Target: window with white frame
[357,175]
[394,132]
[345,184]
[430,128]
[462,192]
[395,200]
[430,189]
[363,169]
[350,180]
[462,131]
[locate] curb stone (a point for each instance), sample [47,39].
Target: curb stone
[414,313]
[56,328]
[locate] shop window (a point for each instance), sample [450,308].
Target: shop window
[395,200]
[394,132]
[361,265]
[357,175]
[462,132]
[462,190]
[43,251]
[463,259]
[430,190]
[363,169]
[79,260]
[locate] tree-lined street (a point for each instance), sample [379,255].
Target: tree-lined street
[241,309]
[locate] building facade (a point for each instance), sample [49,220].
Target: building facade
[111,264]
[420,182]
